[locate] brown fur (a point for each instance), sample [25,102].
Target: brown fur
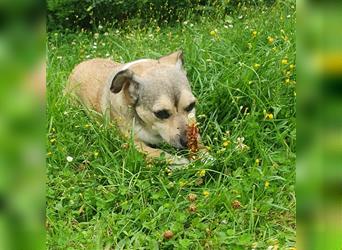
[88,79]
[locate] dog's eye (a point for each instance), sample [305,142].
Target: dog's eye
[162,114]
[190,107]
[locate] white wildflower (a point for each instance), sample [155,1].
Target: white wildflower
[240,145]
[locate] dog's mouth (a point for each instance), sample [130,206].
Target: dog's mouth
[177,146]
[171,146]
[180,142]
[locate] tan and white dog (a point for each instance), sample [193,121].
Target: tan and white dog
[153,97]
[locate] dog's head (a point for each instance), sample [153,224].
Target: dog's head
[160,93]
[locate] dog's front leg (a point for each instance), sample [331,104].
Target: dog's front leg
[152,153]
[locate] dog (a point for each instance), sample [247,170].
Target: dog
[151,96]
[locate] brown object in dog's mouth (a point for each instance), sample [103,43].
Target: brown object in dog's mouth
[192,135]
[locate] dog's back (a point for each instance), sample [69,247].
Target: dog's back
[87,79]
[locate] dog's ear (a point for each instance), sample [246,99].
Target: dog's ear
[126,80]
[175,58]
[119,79]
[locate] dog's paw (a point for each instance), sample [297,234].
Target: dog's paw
[178,162]
[205,157]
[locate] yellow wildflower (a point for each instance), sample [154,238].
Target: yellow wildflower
[270,39]
[49,153]
[213,32]
[275,244]
[235,191]
[206,193]
[96,153]
[284,61]
[292,66]
[291,248]
[52,140]
[182,183]
[201,173]
[267,184]
[257,161]
[226,143]
[256,65]
[254,33]
[269,116]
[287,81]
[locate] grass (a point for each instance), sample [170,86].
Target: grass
[242,71]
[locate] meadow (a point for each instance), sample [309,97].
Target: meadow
[102,193]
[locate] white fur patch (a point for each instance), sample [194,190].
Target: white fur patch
[132,63]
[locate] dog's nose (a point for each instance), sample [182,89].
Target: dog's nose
[184,142]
